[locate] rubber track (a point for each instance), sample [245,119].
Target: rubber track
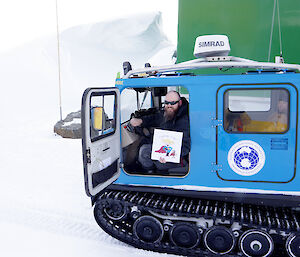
[248,216]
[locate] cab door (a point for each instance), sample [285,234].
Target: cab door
[100,138]
[256,141]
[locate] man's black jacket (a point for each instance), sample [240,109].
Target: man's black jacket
[180,123]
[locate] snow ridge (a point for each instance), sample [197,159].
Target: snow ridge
[91,56]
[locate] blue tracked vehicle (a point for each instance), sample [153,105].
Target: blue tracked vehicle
[238,191]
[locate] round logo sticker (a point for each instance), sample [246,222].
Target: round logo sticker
[246,158]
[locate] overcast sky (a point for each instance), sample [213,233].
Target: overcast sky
[22,21]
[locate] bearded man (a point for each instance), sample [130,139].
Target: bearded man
[174,117]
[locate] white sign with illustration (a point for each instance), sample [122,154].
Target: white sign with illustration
[166,144]
[246,158]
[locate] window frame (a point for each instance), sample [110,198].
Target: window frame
[93,139]
[159,175]
[271,107]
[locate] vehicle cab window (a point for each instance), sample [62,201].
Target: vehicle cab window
[102,115]
[149,105]
[133,100]
[256,110]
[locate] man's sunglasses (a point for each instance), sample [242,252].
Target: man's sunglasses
[171,103]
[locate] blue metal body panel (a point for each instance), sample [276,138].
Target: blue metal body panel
[210,144]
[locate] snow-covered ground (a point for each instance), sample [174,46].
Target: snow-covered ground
[43,207]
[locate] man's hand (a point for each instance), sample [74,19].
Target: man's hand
[162,160]
[135,122]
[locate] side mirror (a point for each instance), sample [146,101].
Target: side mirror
[97,117]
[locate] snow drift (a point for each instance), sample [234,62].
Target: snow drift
[43,207]
[91,56]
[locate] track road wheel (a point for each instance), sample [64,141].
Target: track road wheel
[293,245]
[115,210]
[148,229]
[219,240]
[185,235]
[256,243]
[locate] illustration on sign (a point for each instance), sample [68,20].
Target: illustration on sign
[166,144]
[246,158]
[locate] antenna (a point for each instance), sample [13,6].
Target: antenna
[279,28]
[278,59]
[58,60]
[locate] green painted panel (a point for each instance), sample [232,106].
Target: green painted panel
[246,23]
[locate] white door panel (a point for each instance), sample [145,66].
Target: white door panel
[101,138]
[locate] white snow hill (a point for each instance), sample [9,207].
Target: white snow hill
[43,207]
